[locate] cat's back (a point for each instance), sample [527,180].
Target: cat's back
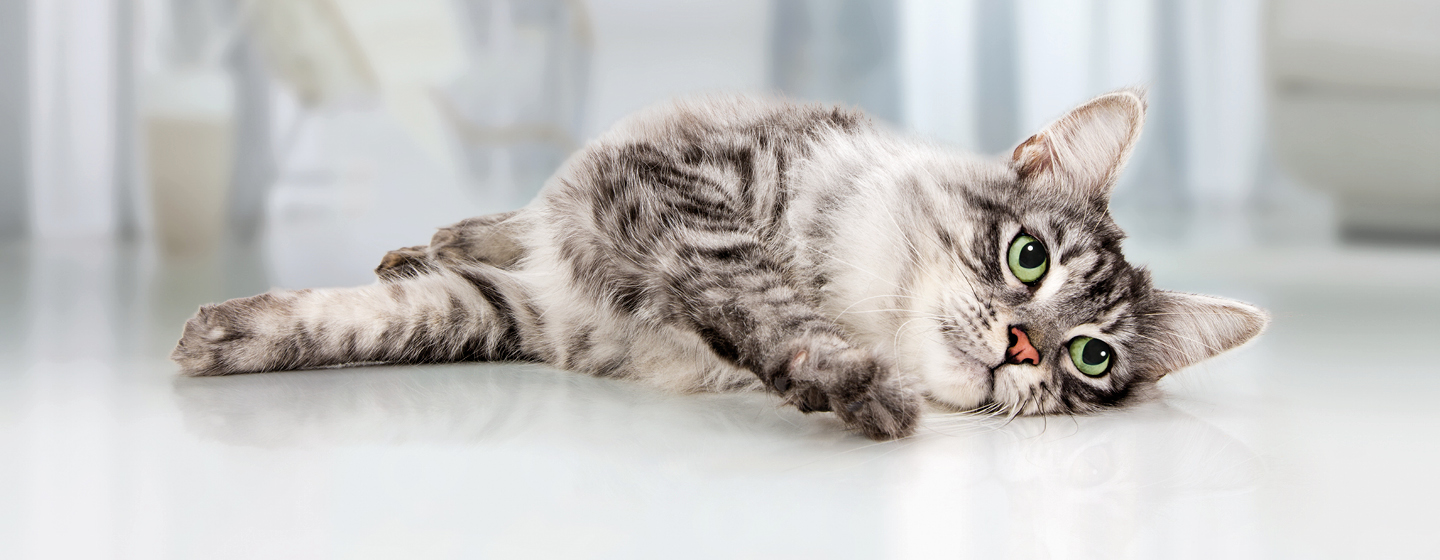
[763,118]
[712,136]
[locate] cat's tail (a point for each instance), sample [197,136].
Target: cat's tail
[473,312]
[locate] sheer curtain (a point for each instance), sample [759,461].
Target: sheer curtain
[14,119]
[984,73]
[71,110]
[69,155]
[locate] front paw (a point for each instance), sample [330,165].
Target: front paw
[886,411]
[862,389]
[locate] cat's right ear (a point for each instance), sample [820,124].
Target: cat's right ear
[1084,151]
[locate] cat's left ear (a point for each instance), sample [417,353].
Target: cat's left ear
[1084,151]
[1193,327]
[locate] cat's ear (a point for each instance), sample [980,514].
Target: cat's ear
[1084,151]
[1192,327]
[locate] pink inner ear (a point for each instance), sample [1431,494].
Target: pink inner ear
[1021,349]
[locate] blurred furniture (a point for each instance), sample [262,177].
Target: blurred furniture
[1355,108]
[189,127]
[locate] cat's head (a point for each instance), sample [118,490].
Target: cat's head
[1031,307]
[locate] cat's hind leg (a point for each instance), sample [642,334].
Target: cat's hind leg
[409,262]
[474,312]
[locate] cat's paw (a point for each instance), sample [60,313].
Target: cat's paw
[861,388]
[200,350]
[887,410]
[404,263]
[220,338]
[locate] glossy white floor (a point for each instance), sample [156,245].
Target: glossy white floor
[1320,440]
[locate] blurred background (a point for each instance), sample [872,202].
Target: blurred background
[156,155]
[347,127]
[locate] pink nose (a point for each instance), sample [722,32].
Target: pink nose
[1020,348]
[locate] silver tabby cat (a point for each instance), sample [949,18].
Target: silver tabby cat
[728,244]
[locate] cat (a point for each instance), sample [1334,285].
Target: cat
[740,243]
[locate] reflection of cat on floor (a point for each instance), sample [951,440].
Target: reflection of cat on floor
[1101,486]
[728,244]
[1156,446]
[1110,480]
[469,403]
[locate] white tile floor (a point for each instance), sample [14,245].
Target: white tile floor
[1321,440]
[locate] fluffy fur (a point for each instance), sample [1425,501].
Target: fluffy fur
[727,244]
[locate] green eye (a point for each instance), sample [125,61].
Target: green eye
[1091,356]
[1028,259]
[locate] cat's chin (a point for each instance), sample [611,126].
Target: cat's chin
[965,385]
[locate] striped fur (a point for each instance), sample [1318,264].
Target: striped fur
[736,243]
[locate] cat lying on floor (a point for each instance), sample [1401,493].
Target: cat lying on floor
[737,244]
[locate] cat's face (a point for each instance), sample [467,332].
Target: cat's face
[1027,304]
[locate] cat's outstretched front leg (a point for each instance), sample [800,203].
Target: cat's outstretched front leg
[456,314]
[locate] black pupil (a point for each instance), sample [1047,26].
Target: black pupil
[1032,255]
[1095,353]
